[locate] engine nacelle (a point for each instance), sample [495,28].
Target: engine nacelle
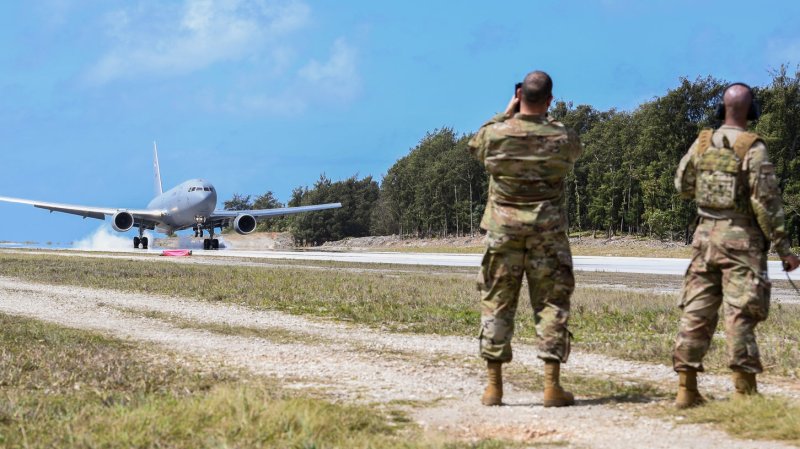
[122,221]
[244,224]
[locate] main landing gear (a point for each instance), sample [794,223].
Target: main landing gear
[140,240]
[209,243]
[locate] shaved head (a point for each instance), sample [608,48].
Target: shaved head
[537,88]
[737,100]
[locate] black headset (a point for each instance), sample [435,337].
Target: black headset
[752,114]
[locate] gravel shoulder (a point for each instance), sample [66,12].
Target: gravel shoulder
[354,363]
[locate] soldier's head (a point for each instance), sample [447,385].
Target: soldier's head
[738,104]
[537,90]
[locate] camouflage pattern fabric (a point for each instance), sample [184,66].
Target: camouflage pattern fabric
[758,197]
[716,178]
[728,267]
[547,262]
[527,158]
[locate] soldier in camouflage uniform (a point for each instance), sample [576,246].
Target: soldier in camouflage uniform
[729,175]
[527,156]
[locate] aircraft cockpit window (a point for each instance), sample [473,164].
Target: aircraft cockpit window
[191,189]
[207,189]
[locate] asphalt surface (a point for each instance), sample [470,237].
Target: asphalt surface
[644,265]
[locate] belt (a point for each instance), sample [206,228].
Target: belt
[733,221]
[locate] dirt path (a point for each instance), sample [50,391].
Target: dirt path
[357,363]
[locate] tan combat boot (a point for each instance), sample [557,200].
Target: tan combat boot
[745,384]
[554,395]
[493,395]
[688,395]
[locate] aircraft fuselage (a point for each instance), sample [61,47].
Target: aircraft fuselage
[185,205]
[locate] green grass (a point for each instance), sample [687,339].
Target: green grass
[624,323]
[759,418]
[67,388]
[638,326]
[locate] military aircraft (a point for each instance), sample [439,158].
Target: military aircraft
[191,204]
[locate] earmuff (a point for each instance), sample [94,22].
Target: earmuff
[752,114]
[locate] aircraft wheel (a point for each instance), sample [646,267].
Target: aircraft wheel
[214,244]
[136,242]
[144,242]
[206,244]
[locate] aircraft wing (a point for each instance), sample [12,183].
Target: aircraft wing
[141,215]
[260,213]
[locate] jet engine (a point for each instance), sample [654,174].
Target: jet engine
[122,221]
[244,224]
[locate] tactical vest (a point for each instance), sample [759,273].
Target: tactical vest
[720,183]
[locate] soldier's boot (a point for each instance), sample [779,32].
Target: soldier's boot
[688,395]
[745,384]
[554,394]
[493,395]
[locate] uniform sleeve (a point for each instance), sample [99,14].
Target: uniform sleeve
[477,144]
[765,198]
[686,174]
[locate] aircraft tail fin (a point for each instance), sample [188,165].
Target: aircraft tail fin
[157,170]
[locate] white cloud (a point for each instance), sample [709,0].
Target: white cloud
[151,39]
[337,77]
[334,80]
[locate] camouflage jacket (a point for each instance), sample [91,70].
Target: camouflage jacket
[764,206]
[527,157]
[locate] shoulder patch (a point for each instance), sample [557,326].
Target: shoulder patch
[703,141]
[744,142]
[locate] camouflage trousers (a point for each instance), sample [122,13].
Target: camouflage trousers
[547,262]
[728,269]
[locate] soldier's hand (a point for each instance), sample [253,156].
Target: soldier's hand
[790,262]
[513,106]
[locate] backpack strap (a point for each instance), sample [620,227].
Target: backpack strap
[703,141]
[744,142]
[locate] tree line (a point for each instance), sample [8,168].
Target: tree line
[623,183]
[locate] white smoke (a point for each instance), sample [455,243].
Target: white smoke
[106,239]
[187,241]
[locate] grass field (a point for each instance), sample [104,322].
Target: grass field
[67,388]
[754,418]
[624,323]
[81,384]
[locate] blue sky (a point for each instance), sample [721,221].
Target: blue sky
[258,95]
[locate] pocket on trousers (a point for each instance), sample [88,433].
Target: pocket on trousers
[751,293]
[484,281]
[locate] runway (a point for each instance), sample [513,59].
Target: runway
[643,265]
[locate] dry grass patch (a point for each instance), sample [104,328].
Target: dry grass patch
[67,388]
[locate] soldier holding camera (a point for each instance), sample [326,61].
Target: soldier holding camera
[527,156]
